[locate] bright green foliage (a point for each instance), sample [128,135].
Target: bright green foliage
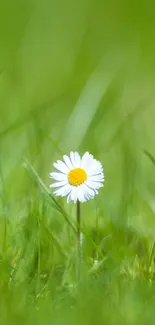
[77,75]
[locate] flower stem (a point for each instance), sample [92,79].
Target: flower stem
[78,219]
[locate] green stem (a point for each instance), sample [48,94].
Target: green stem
[5,235]
[38,275]
[78,219]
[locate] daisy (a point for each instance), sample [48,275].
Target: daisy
[78,178]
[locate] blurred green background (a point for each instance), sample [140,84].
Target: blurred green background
[77,75]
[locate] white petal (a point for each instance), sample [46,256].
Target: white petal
[88,192]
[95,165]
[58,176]
[80,194]
[59,184]
[69,197]
[95,168]
[74,194]
[86,195]
[68,162]
[93,185]
[86,160]
[96,178]
[61,166]
[77,159]
[95,172]
[84,157]
[72,159]
[64,190]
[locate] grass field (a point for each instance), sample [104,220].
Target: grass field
[77,75]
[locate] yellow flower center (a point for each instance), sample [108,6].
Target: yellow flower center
[77,176]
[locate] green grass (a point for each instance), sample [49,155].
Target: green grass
[77,75]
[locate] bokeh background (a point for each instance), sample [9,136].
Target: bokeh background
[77,75]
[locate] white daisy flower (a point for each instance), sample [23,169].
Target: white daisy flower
[78,178]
